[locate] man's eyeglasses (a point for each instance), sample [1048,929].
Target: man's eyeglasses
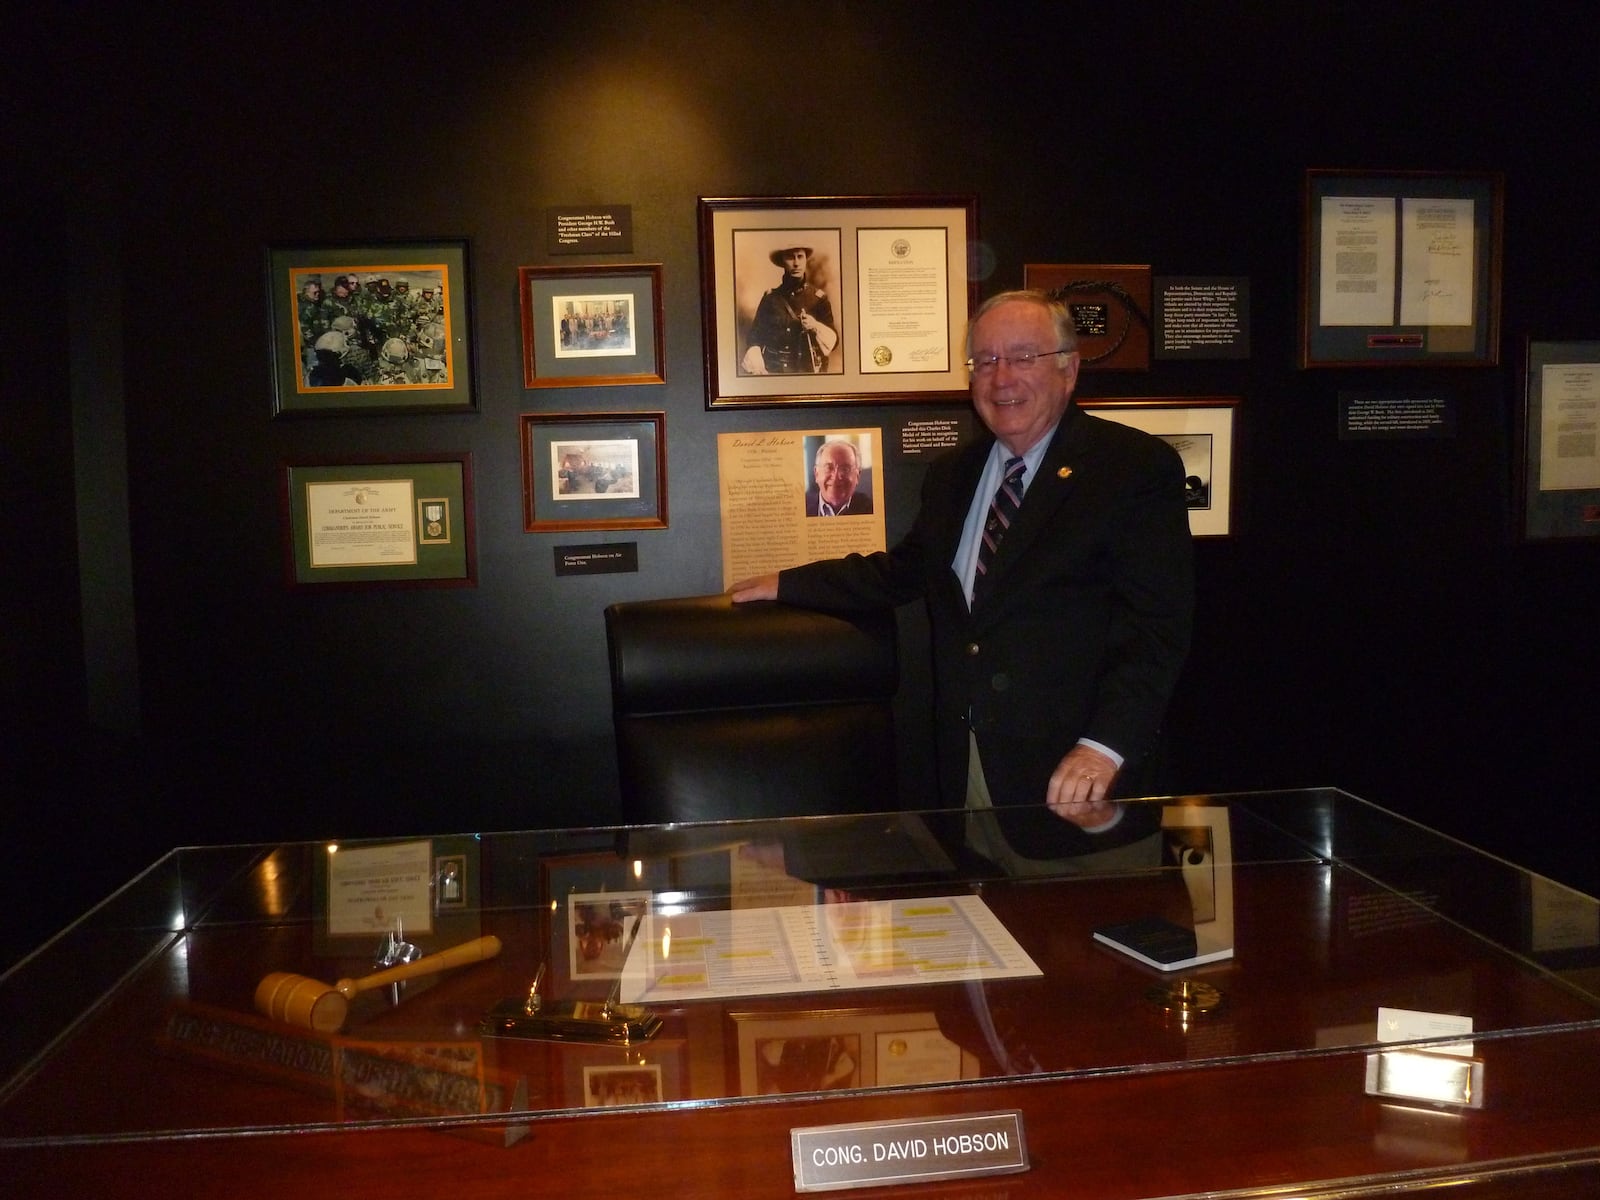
[1017,362]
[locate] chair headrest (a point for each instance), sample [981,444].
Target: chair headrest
[697,653]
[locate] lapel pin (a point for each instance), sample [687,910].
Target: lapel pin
[1064,473]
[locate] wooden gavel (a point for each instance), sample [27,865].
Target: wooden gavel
[301,1000]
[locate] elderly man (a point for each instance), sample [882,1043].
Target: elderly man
[836,470]
[793,331]
[1055,561]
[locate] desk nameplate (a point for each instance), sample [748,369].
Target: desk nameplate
[879,1153]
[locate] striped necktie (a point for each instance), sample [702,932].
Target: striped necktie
[1002,511]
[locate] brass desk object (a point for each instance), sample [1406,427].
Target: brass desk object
[604,1022]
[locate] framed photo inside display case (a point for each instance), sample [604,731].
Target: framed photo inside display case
[591,326]
[594,471]
[381,327]
[820,1050]
[1400,268]
[1559,467]
[595,903]
[835,299]
[1200,429]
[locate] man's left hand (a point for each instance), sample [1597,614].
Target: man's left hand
[1080,788]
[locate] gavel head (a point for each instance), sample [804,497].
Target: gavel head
[301,1000]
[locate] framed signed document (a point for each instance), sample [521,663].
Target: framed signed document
[1559,468]
[1400,269]
[835,299]
[374,521]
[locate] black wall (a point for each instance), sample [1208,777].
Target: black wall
[1372,623]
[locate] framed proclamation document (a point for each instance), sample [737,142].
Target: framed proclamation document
[1400,269]
[836,299]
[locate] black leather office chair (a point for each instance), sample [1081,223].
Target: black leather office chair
[727,711]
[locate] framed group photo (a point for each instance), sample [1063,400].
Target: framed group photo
[380,521]
[1400,268]
[835,299]
[1200,429]
[591,326]
[370,328]
[594,471]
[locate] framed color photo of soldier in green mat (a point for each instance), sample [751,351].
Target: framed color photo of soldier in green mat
[380,521]
[372,328]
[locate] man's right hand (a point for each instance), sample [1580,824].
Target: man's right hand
[760,587]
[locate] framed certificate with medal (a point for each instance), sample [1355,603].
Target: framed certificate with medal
[379,521]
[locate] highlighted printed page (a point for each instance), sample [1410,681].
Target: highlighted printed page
[776,951]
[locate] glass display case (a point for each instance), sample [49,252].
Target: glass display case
[1295,993]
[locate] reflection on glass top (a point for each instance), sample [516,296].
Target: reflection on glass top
[493,979]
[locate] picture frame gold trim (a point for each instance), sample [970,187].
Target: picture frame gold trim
[554,355]
[435,375]
[1400,255]
[1202,430]
[617,464]
[916,290]
[1558,496]
[345,525]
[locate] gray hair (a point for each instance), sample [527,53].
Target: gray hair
[855,452]
[1060,316]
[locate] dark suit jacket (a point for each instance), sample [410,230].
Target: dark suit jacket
[1079,630]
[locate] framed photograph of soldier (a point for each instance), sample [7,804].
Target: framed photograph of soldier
[835,299]
[1559,466]
[591,326]
[594,471]
[380,521]
[1110,307]
[371,328]
[1200,429]
[1400,268]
